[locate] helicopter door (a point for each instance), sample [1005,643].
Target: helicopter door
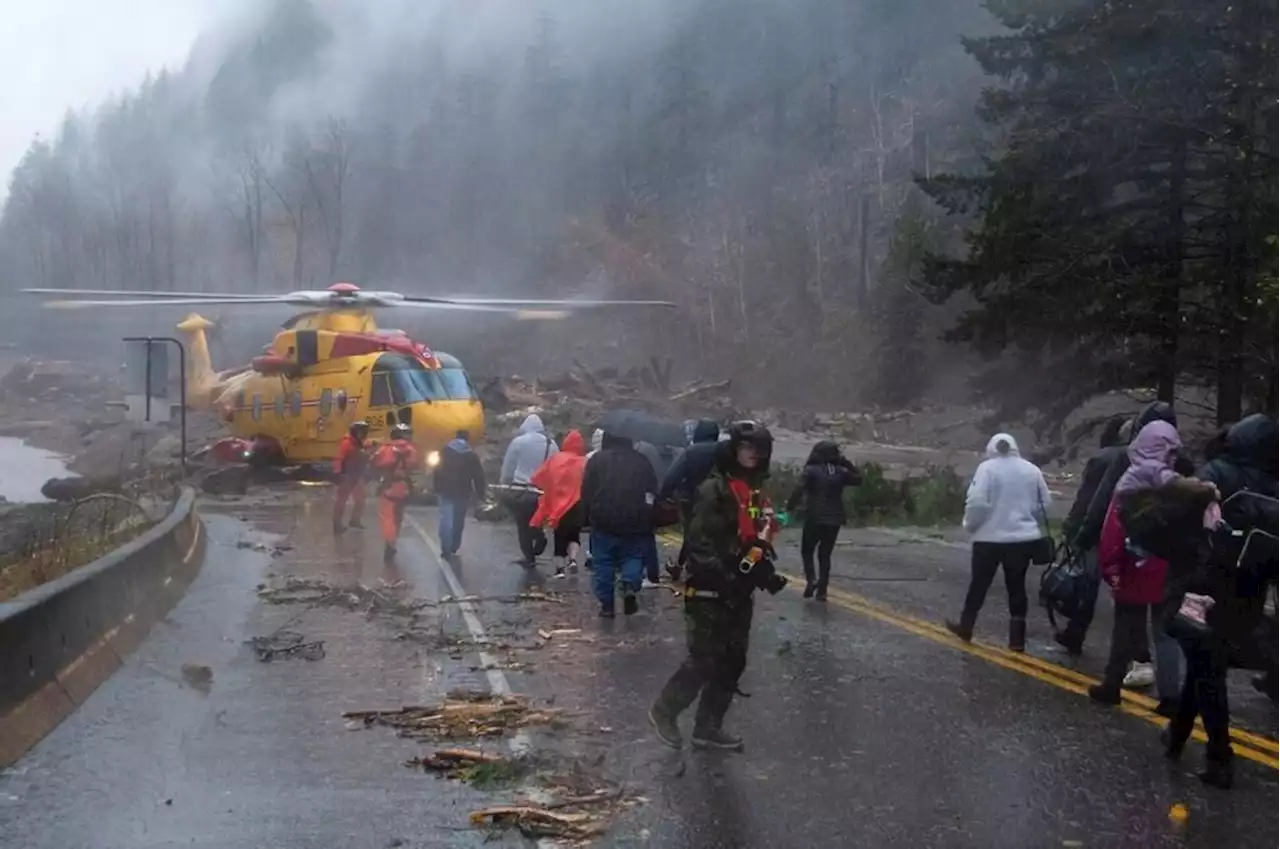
[331,424]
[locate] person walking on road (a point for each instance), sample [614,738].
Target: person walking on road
[1006,502]
[529,450]
[350,466]
[458,479]
[560,479]
[1137,578]
[1114,443]
[394,463]
[619,488]
[826,473]
[730,515]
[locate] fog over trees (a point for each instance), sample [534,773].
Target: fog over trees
[852,201]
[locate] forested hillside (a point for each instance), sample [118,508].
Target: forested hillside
[1081,196]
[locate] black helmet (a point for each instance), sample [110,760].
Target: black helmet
[359,429]
[401,431]
[756,434]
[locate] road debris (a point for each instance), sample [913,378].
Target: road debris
[459,715]
[285,644]
[539,822]
[558,632]
[479,769]
[386,599]
[198,676]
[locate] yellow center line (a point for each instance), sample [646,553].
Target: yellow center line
[1253,747]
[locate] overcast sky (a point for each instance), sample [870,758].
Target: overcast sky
[61,54]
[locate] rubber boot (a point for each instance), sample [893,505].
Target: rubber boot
[1017,634]
[707,731]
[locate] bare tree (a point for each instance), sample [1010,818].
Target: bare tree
[326,166]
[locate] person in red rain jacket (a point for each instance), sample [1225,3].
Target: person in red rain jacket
[394,463]
[349,466]
[560,479]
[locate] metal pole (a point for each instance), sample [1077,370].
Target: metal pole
[147,382]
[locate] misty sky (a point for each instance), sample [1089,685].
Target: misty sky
[62,54]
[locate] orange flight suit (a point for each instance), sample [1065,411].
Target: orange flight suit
[394,461]
[349,466]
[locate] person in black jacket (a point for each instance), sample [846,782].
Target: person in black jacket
[1089,528]
[619,488]
[1114,443]
[690,469]
[826,474]
[457,479]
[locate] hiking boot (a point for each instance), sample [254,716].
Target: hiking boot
[1103,695]
[666,727]
[560,572]
[821,594]
[629,604]
[357,524]
[606,611]
[808,590]
[960,630]
[716,738]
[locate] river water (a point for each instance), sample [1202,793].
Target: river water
[24,469]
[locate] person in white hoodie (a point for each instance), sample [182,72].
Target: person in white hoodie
[528,451]
[1003,510]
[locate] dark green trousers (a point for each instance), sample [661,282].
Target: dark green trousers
[718,634]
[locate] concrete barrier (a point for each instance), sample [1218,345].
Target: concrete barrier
[59,641]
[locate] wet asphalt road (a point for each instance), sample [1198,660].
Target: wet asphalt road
[864,728]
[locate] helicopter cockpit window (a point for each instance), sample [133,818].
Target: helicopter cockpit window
[456,384]
[398,380]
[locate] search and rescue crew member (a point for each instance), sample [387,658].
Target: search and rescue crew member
[394,462]
[732,520]
[350,466]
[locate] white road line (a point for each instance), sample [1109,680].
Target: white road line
[498,684]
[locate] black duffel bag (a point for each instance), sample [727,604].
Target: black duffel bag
[1065,585]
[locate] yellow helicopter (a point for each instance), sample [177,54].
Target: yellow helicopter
[329,367]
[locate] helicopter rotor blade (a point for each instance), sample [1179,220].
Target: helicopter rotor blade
[542,302]
[147,293]
[151,302]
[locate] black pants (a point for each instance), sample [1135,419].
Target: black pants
[821,538]
[532,540]
[988,558]
[1129,642]
[718,635]
[1204,693]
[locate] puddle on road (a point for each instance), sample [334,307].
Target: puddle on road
[25,468]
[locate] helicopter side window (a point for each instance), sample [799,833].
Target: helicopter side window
[326,402]
[295,404]
[279,406]
[380,390]
[257,407]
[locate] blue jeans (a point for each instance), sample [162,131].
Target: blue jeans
[651,559]
[611,553]
[453,517]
